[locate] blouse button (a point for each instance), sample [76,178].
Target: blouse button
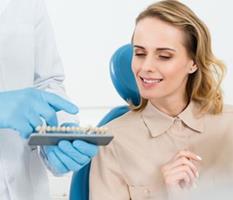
[178,124]
[177,120]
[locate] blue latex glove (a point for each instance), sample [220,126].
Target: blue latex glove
[67,156]
[22,110]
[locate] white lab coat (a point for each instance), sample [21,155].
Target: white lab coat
[28,58]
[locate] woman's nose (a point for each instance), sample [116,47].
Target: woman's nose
[149,64]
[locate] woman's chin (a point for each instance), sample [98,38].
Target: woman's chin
[150,96]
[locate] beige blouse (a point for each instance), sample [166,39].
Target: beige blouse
[130,166]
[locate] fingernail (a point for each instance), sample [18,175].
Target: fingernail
[199,158]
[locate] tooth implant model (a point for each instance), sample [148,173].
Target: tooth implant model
[71,129]
[51,135]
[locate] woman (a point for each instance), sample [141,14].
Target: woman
[168,146]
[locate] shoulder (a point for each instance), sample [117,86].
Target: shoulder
[26,8]
[125,125]
[128,130]
[27,3]
[124,120]
[227,113]
[223,118]
[227,109]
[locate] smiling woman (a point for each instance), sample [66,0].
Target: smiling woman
[161,63]
[167,145]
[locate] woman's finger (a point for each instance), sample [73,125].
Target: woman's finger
[174,179]
[187,154]
[183,161]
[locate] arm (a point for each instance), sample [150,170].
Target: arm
[49,76]
[49,73]
[106,177]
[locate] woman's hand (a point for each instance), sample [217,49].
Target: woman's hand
[180,170]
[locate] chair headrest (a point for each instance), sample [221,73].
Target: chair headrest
[122,75]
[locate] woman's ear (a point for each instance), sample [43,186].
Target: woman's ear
[193,68]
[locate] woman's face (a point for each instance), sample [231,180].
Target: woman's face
[160,62]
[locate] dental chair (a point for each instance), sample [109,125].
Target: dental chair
[124,82]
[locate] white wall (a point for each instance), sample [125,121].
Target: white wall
[88,32]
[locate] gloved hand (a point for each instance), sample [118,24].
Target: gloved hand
[67,156]
[22,110]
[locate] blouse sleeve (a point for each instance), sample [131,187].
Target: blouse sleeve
[106,177]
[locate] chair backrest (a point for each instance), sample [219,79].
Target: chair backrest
[124,82]
[122,75]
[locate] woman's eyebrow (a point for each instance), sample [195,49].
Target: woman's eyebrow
[165,49]
[157,49]
[138,46]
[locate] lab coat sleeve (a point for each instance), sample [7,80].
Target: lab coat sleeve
[106,177]
[49,74]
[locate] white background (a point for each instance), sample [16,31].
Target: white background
[88,32]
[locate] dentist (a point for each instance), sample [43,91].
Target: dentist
[31,77]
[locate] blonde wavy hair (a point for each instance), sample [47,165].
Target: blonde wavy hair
[203,86]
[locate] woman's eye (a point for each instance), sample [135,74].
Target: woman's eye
[139,54]
[164,57]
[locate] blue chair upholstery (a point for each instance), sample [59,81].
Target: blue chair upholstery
[124,82]
[122,75]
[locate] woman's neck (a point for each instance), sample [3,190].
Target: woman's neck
[172,107]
